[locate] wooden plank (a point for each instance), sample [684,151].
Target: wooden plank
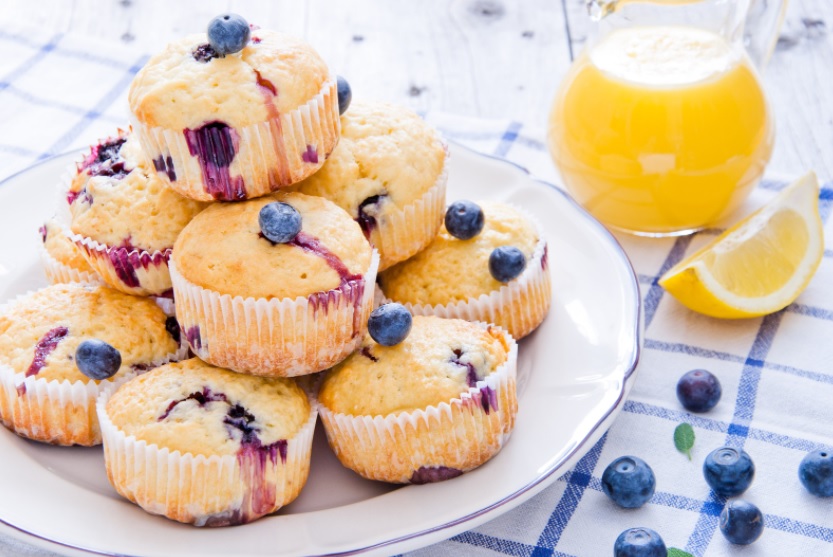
[473,57]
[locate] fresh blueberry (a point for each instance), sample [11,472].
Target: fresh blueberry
[389,324]
[816,473]
[728,472]
[639,542]
[96,359]
[279,222]
[345,94]
[629,482]
[506,263]
[741,522]
[464,219]
[698,390]
[228,33]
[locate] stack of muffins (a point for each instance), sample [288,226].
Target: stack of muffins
[245,220]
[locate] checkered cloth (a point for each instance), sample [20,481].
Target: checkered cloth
[59,93]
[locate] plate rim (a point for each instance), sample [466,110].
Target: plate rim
[542,480]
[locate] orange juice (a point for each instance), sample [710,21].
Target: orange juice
[661,130]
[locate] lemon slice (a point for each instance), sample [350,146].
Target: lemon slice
[761,264]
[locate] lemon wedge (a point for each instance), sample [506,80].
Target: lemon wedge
[761,264]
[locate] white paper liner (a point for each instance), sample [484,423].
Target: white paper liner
[404,232]
[270,155]
[279,337]
[137,272]
[434,443]
[204,490]
[58,273]
[518,306]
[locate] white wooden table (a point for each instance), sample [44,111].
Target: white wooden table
[484,58]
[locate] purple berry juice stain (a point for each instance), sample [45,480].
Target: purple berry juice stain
[172,326]
[471,373]
[312,245]
[432,474]
[310,155]
[165,165]
[367,354]
[105,160]
[215,146]
[204,53]
[367,213]
[192,335]
[44,347]
[201,397]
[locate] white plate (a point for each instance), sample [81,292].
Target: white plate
[575,370]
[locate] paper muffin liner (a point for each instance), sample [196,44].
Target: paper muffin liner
[519,306]
[206,490]
[284,337]
[276,153]
[431,444]
[58,273]
[59,412]
[406,231]
[133,271]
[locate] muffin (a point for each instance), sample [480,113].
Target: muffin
[255,306]
[438,404]
[124,218]
[62,260]
[206,446]
[237,126]
[389,173]
[43,393]
[452,277]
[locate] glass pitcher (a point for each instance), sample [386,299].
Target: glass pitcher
[661,125]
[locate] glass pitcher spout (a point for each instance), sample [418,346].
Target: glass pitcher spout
[754,22]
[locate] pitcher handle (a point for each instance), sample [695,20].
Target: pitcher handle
[763,22]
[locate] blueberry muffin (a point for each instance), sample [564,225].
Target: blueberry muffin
[124,218]
[389,173]
[237,125]
[497,273]
[254,302]
[62,346]
[436,405]
[207,446]
[62,260]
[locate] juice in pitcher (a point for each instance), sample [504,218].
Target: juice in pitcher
[661,129]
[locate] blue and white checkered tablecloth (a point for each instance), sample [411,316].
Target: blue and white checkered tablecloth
[61,92]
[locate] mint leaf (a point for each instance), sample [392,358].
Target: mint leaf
[674,552]
[684,439]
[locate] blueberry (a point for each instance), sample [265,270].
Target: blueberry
[228,33]
[279,222]
[389,324]
[506,263]
[629,482]
[728,472]
[639,542]
[698,390]
[464,219]
[741,522]
[97,360]
[345,94]
[816,473]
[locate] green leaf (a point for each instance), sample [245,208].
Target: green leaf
[674,552]
[684,439]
